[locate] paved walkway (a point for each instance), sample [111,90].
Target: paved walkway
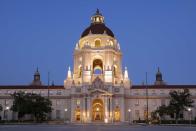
[94,128]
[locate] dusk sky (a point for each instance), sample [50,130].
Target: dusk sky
[151,33]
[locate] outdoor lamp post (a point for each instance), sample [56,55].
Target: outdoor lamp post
[65,114]
[189,110]
[129,110]
[7,109]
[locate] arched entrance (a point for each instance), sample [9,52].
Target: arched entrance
[117,114]
[97,110]
[77,114]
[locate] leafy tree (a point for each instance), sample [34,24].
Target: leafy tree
[20,104]
[40,107]
[1,108]
[34,104]
[161,111]
[179,102]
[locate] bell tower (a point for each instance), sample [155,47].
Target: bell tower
[36,79]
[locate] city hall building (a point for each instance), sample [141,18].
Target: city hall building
[98,89]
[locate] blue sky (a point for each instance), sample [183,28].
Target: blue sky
[43,33]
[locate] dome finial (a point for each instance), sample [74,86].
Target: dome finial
[98,12]
[37,69]
[97,18]
[159,79]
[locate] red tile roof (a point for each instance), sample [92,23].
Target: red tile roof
[30,87]
[163,86]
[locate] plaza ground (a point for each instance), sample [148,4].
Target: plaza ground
[94,128]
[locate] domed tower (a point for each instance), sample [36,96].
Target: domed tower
[159,79]
[97,54]
[97,76]
[36,81]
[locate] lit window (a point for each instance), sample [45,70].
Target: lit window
[58,102]
[78,101]
[137,102]
[6,102]
[97,19]
[97,43]
[111,43]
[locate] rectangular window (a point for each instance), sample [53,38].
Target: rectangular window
[145,114]
[162,101]
[154,103]
[58,102]
[34,92]
[78,90]
[181,115]
[153,92]
[6,102]
[136,92]
[78,102]
[5,114]
[116,89]
[58,93]
[42,92]
[51,92]
[58,113]
[137,114]
[137,102]
[162,92]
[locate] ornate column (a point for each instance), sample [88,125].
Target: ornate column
[111,109]
[72,110]
[106,109]
[88,109]
[122,109]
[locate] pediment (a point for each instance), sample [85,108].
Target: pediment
[99,92]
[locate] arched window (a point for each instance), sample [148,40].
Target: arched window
[97,66]
[111,43]
[97,43]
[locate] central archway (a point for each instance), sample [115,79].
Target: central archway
[97,110]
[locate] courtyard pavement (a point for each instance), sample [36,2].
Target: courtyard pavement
[94,128]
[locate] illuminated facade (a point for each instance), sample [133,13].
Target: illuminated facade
[97,74]
[98,89]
